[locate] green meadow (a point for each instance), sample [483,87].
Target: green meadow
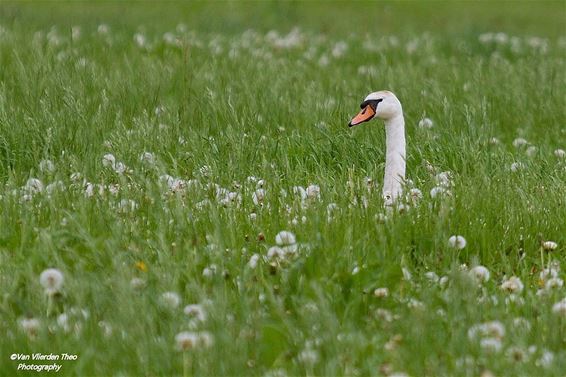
[181,194]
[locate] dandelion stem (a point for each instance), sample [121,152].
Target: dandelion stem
[49,304]
[186,364]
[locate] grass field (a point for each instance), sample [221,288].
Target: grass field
[152,154]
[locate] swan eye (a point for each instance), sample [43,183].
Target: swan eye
[372,102]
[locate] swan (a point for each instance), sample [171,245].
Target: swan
[384,105]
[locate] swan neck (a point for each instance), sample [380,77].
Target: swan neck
[394,158]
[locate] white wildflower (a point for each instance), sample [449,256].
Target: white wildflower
[480,274]
[494,141]
[109,161]
[531,151]
[492,329]
[313,192]
[258,196]
[308,356]
[415,304]
[34,185]
[516,354]
[140,40]
[285,238]
[196,312]
[275,252]
[457,242]
[512,285]
[438,191]
[406,274]
[47,166]
[30,326]
[559,308]
[432,276]
[209,271]
[137,283]
[51,280]
[127,205]
[519,142]
[545,360]
[560,153]
[381,292]
[186,340]
[444,179]
[299,190]
[516,166]
[425,123]
[492,345]
[148,158]
[414,195]
[553,283]
[170,300]
[253,261]
[549,245]
[103,29]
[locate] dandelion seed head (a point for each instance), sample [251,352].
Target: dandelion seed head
[549,245]
[285,238]
[137,283]
[275,252]
[491,345]
[381,292]
[148,158]
[254,261]
[170,300]
[313,192]
[258,196]
[109,161]
[512,285]
[438,191]
[308,356]
[559,308]
[52,280]
[34,186]
[46,166]
[516,166]
[531,150]
[457,242]
[30,326]
[553,283]
[480,274]
[196,312]
[186,340]
[426,123]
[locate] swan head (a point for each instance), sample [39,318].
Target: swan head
[383,105]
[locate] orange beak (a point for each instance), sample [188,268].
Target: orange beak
[366,114]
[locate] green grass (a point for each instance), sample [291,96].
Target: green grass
[241,104]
